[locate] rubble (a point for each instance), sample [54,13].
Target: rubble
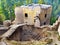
[7,23]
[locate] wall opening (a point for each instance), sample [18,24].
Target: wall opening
[26,15]
[44,23]
[45,15]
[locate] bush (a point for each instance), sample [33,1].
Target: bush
[49,41]
[56,44]
[58,38]
[2,18]
[53,20]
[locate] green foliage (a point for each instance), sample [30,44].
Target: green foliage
[7,8]
[53,20]
[59,38]
[28,2]
[2,18]
[56,44]
[40,1]
[49,41]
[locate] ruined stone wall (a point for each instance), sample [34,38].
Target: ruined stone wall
[29,32]
[45,16]
[19,18]
[26,14]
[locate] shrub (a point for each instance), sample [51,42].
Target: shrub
[49,41]
[2,18]
[53,20]
[59,38]
[56,44]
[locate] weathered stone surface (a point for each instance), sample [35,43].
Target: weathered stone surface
[19,15]
[45,14]
[3,30]
[28,33]
[37,22]
[7,23]
[2,43]
[26,14]
[25,33]
[59,29]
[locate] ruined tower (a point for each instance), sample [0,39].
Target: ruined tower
[26,14]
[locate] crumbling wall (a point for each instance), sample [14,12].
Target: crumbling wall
[45,14]
[26,14]
[19,18]
[7,23]
[16,35]
[29,32]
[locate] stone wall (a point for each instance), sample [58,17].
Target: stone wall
[19,15]
[29,32]
[26,14]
